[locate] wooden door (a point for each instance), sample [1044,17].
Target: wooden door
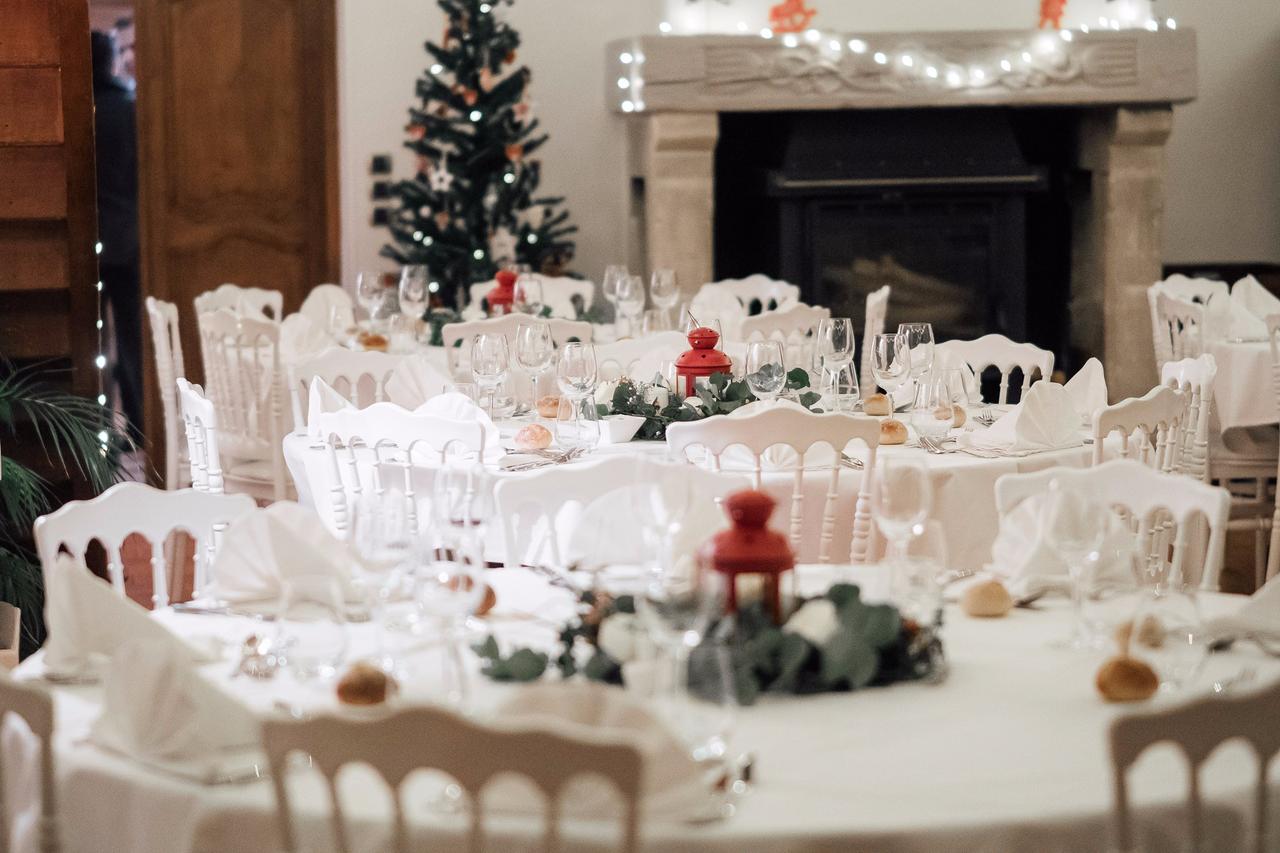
[237,126]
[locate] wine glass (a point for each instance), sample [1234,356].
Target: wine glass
[415,292]
[663,290]
[959,390]
[370,289]
[835,347]
[490,361]
[534,351]
[576,376]
[902,500]
[461,501]
[631,299]
[766,370]
[920,342]
[528,295]
[932,412]
[311,626]
[383,532]
[1074,526]
[890,362]
[655,320]
[450,586]
[691,322]
[926,560]
[613,277]
[677,605]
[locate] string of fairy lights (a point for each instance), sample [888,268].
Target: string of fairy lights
[100,360]
[919,67]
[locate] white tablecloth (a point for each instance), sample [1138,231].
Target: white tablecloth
[1243,393]
[964,492]
[1008,754]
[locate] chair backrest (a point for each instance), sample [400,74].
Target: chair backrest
[1179,328]
[457,337]
[873,324]
[328,306]
[167,342]
[756,293]
[800,430]
[558,292]
[1143,493]
[34,706]
[434,739]
[1157,418]
[615,360]
[1194,377]
[529,506]
[253,302]
[795,326]
[200,421]
[360,376]
[1003,354]
[128,508]
[1197,728]
[397,437]
[244,379]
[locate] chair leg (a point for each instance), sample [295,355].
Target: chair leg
[1273,555]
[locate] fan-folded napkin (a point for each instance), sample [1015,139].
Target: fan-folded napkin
[267,547]
[459,407]
[322,399]
[88,621]
[414,381]
[1088,389]
[1249,294]
[1044,420]
[1226,317]
[1259,615]
[301,338]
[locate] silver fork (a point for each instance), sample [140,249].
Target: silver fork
[849,462]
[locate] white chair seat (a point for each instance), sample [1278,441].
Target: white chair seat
[252,469]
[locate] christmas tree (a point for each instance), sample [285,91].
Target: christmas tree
[471,207]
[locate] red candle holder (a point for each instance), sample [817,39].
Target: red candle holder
[701,361]
[503,295]
[749,548]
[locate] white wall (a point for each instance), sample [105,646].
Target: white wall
[1224,172]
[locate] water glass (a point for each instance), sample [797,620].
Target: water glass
[370,289]
[528,295]
[902,500]
[766,369]
[576,369]
[415,291]
[890,361]
[384,532]
[925,559]
[677,606]
[535,350]
[490,361]
[450,586]
[664,291]
[835,341]
[311,626]
[932,413]
[705,718]
[614,275]
[920,342]
[655,321]
[1073,525]
[1168,634]
[631,301]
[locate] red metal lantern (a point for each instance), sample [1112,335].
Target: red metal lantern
[701,361]
[750,548]
[503,295]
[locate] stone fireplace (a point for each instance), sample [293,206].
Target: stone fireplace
[1101,100]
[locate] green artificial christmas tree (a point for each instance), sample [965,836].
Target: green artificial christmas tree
[471,208]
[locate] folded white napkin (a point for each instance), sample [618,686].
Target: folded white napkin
[1027,563]
[322,399]
[301,337]
[88,621]
[1259,615]
[460,407]
[414,381]
[1249,294]
[157,707]
[1044,420]
[674,784]
[1088,390]
[605,532]
[329,307]
[268,546]
[1226,317]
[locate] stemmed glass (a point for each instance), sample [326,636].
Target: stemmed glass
[766,370]
[1074,527]
[890,363]
[490,361]
[614,275]
[664,291]
[655,320]
[370,290]
[528,295]
[311,626]
[835,353]
[534,351]
[903,498]
[450,585]
[631,299]
[926,558]
[576,375]
[920,342]
[691,322]
[383,537]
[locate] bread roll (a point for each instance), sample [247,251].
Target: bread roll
[961,416]
[371,341]
[1126,679]
[549,406]
[533,437]
[877,404]
[893,432]
[487,600]
[365,684]
[986,600]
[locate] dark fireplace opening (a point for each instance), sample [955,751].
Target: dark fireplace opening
[964,212]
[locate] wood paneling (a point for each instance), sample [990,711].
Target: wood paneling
[34,326]
[31,106]
[35,182]
[238,148]
[31,32]
[33,256]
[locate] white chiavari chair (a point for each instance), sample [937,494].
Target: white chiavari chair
[200,420]
[391,436]
[254,302]
[1003,354]
[799,430]
[245,381]
[1197,729]
[1150,427]
[457,337]
[873,324]
[617,359]
[33,705]
[1194,377]
[795,326]
[425,738]
[531,508]
[328,306]
[1179,328]
[1196,291]
[128,508]
[1149,499]
[359,376]
[755,293]
[166,340]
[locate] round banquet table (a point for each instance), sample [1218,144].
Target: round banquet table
[1009,753]
[963,486]
[1243,393]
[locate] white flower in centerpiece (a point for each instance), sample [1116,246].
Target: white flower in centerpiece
[620,637]
[604,393]
[695,403]
[816,621]
[657,396]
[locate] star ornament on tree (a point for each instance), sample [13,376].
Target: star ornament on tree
[440,178]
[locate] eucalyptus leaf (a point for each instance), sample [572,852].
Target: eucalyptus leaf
[848,660]
[793,654]
[797,378]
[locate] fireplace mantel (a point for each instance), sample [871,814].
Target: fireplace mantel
[1123,83]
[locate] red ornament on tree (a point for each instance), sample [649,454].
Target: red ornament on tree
[750,548]
[702,360]
[790,16]
[514,152]
[416,131]
[503,295]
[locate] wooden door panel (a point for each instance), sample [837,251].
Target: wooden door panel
[31,34]
[30,106]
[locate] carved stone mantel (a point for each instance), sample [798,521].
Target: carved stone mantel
[1127,82]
